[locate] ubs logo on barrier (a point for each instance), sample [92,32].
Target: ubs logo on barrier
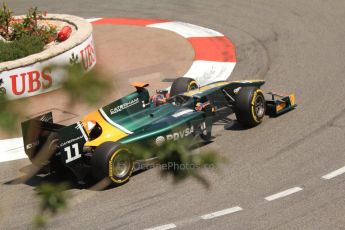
[88,56]
[32,81]
[46,75]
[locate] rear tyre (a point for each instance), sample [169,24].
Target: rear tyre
[250,106]
[112,162]
[182,85]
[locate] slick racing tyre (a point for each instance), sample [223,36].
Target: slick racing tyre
[112,162]
[250,106]
[182,85]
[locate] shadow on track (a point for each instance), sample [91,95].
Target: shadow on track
[53,178]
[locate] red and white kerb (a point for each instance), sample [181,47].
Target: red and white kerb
[215,55]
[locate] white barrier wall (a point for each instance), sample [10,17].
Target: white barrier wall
[40,77]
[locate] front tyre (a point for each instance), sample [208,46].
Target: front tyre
[250,106]
[182,85]
[112,162]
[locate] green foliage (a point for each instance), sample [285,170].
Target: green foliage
[23,47]
[5,19]
[30,26]
[40,221]
[176,159]
[47,34]
[53,198]
[9,115]
[32,16]
[14,29]
[44,33]
[91,89]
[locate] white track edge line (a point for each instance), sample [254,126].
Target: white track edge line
[162,227]
[221,213]
[93,19]
[333,174]
[284,193]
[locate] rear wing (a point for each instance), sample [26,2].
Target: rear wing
[41,134]
[46,142]
[37,131]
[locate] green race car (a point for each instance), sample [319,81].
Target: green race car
[96,145]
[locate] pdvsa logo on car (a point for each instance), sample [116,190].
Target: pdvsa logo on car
[175,136]
[181,134]
[124,106]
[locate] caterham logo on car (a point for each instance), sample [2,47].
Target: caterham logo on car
[124,106]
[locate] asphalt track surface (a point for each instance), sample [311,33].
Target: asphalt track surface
[296,46]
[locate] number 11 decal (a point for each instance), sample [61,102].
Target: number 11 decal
[68,150]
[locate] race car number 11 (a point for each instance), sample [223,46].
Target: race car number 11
[76,154]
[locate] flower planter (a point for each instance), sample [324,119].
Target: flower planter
[34,74]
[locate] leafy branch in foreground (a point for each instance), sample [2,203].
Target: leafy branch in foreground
[91,88]
[9,115]
[176,159]
[53,198]
[5,19]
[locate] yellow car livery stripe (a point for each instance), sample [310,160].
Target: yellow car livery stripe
[109,131]
[204,88]
[210,86]
[113,123]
